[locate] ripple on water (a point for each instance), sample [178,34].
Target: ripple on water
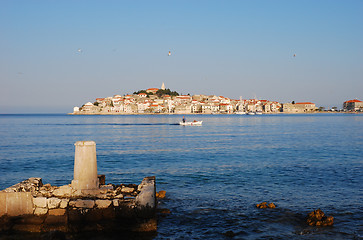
[213,174]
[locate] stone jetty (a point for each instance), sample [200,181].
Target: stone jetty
[87,204]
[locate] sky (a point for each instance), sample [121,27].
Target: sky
[55,55]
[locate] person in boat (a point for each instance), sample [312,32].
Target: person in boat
[183,119]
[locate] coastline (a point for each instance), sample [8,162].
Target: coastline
[269,113]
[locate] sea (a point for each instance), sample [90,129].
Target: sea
[213,175]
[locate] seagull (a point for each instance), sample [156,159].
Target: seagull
[79,50]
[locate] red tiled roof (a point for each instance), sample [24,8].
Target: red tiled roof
[304,103]
[183,97]
[351,101]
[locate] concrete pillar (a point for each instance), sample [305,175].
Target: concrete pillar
[85,166]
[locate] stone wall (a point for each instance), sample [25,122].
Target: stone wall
[34,207]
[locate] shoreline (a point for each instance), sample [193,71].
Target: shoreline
[270,113]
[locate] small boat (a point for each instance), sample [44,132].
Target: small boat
[259,113]
[251,113]
[194,123]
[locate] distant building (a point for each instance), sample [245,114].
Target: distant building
[225,108]
[353,105]
[185,104]
[183,98]
[152,90]
[183,109]
[142,95]
[301,107]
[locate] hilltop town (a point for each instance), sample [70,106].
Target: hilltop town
[155,100]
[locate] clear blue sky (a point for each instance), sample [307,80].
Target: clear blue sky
[229,48]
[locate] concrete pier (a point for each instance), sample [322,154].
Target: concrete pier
[85,166]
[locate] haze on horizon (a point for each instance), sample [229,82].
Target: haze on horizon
[59,54]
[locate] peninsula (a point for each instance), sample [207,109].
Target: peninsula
[158,101]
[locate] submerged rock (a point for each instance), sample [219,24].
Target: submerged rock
[262,205]
[164,211]
[229,234]
[318,218]
[271,205]
[265,205]
[161,194]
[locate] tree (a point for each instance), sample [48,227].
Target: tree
[140,91]
[293,102]
[143,91]
[162,92]
[321,109]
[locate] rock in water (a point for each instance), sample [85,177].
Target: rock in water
[262,205]
[318,218]
[161,194]
[271,205]
[230,234]
[265,205]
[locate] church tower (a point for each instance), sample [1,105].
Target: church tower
[163,86]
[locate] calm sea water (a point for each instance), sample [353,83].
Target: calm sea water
[213,174]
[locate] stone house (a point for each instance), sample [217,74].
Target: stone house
[266,107]
[196,108]
[152,90]
[142,106]
[157,108]
[142,95]
[207,108]
[183,109]
[130,108]
[301,107]
[353,105]
[225,108]
[88,107]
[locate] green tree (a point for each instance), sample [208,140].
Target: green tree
[321,109]
[162,92]
[140,91]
